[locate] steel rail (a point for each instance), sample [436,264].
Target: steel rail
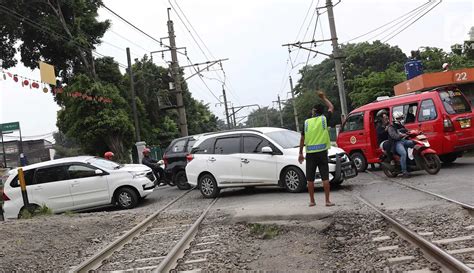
[464,205]
[450,262]
[171,260]
[95,261]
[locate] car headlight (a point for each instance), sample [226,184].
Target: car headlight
[138,174]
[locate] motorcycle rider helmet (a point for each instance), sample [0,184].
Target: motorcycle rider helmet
[146,151]
[379,115]
[398,118]
[108,155]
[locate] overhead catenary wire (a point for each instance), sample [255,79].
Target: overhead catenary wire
[191,27]
[388,23]
[401,24]
[391,37]
[50,31]
[130,24]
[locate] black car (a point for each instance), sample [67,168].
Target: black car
[175,160]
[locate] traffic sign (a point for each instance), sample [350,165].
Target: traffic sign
[11,126]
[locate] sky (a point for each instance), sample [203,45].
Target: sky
[250,34]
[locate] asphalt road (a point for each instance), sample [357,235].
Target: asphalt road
[455,181]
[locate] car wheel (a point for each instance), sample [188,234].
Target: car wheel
[181,181]
[208,186]
[29,210]
[335,182]
[294,179]
[449,158]
[359,160]
[126,198]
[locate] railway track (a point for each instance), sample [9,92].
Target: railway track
[469,207]
[446,252]
[154,245]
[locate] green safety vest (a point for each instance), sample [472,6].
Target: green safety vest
[316,134]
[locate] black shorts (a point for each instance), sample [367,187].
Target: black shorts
[319,160]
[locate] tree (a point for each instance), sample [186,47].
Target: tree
[376,84]
[62,33]
[97,126]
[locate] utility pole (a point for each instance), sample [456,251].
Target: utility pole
[279,108]
[226,108]
[294,105]
[233,116]
[337,60]
[183,124]
[132,89]
[336,55]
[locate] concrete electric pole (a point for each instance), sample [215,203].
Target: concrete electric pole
[295,112]
[226,108]
[183,124]
[337,60]
[279,109]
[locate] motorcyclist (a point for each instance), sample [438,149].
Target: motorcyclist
[109,155]
[153,164]
[397,134]
[382,133]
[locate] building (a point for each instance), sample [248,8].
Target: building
[462,78]
[35,151]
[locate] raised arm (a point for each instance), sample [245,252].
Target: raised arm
[325,100]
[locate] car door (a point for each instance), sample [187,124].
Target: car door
[87,188]
[429,123]
[225,162]
[354,135]
[258,167]
[52,188]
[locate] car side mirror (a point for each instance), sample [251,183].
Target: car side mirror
[99,172]
[267,150]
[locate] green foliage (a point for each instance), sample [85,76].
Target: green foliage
[69,213]
[97,126]
[263,231]
[376,84]
[68,31]
[35,211]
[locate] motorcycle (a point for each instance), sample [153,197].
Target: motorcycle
[159,172]
[420,157]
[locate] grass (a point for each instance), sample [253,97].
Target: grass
[35,211]
[264,231]
[69,213]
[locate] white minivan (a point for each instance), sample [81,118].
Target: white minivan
[263,156]
[77,183]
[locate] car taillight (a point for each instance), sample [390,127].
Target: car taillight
[447,124]
[189,157]
[165,160]
[5,197]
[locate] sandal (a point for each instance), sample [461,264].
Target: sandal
[312,204]
[330,204]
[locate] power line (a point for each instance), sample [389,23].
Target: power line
[130,24]
[399,25]
[203,43]
[200,77]
[312,39]
[48,30]
[412,22]
[128,40]
[386,24]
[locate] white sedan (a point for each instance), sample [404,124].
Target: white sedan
[256,157]
[77,183]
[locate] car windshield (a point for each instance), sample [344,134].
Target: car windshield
[103,163]
[285,138]
[454,102]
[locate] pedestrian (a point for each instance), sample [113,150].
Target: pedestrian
[23,160]
[315,136]
[109,155]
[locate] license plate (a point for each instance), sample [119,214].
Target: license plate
[349,172]
[465,123]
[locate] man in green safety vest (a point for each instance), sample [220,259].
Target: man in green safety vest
[315,137]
